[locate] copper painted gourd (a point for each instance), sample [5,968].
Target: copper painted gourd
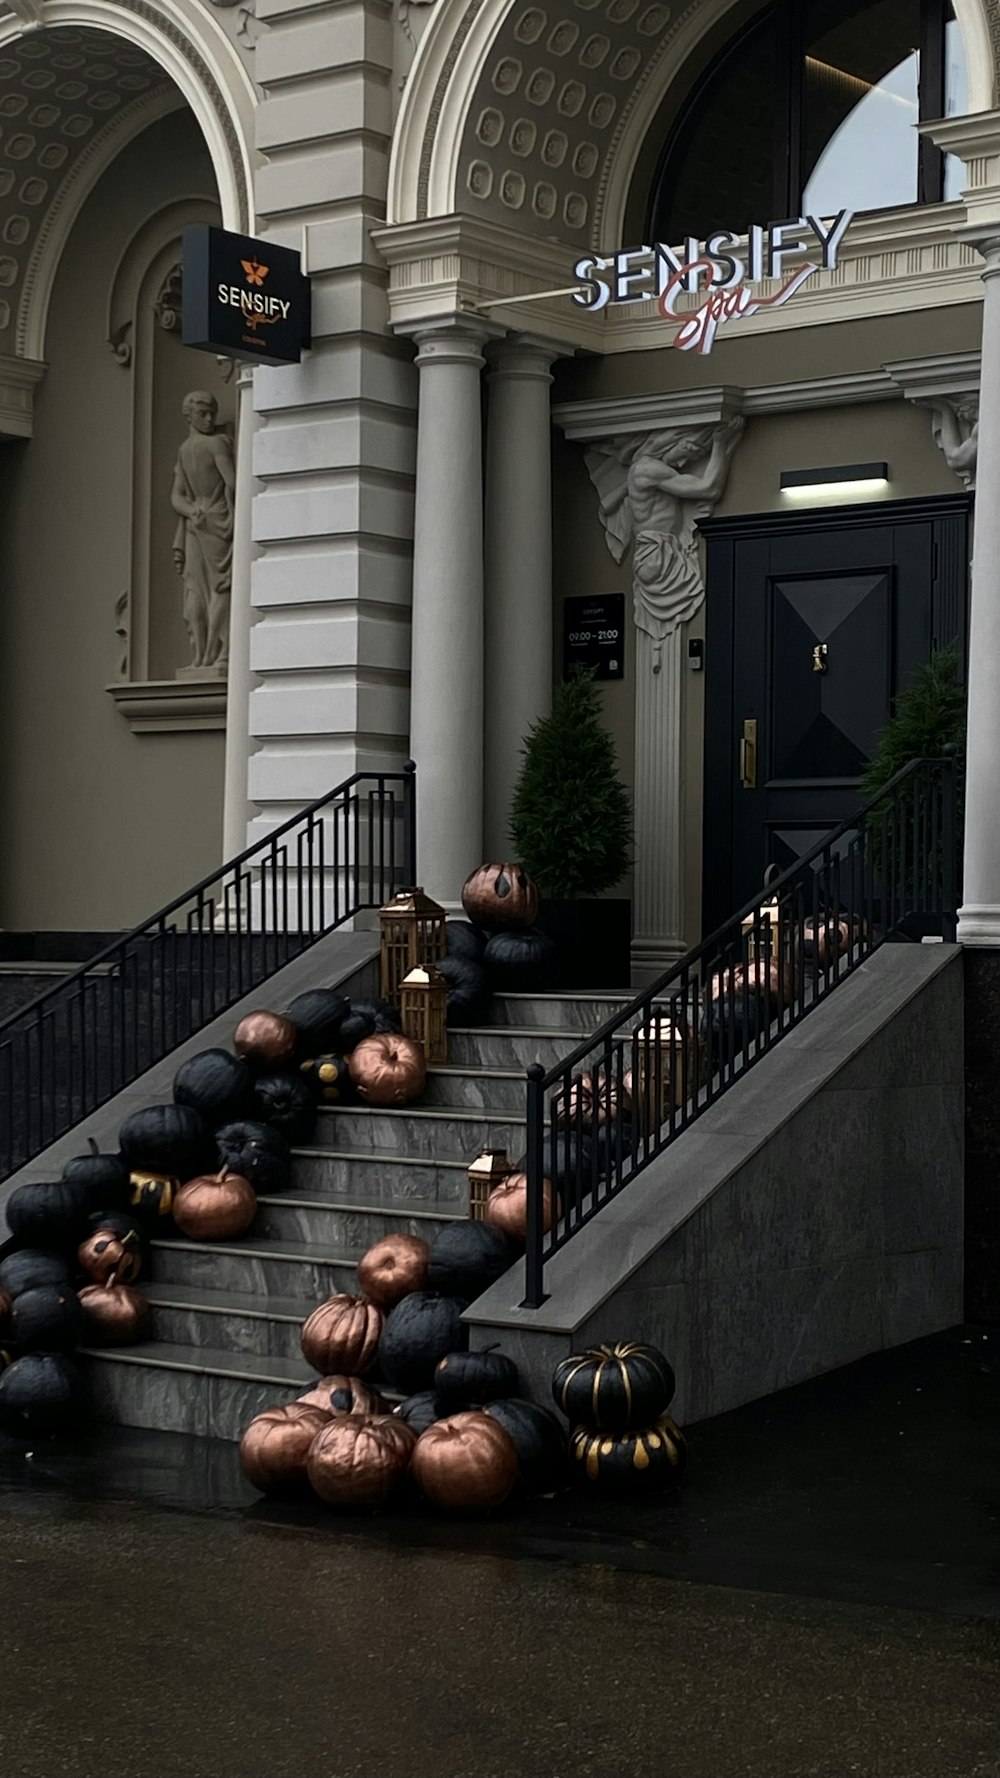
[114,1314]
[342,1335]
[344,1395]
[507,1206]
[360,1460]
[467,1462]
[388,1069]
[266,1040]
[393,1268]
[642,1460]
[106,1253]
[275,1446]
[215,1206]
[500,895]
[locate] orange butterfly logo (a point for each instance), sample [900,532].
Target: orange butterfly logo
[256,273]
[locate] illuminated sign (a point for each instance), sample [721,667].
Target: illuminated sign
[243,298]
[725,268]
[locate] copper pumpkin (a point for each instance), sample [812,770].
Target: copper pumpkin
[344,1395]
[499,896]
[507,1206]
[274,1447]
[388,1070]
[105,1253]
[215,1206]
[393,1268]
[342,1335]
[114,1314]
[266,1038]
[360,1460]
[468,1460]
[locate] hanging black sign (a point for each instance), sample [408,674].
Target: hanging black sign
[594,635]
[243,298]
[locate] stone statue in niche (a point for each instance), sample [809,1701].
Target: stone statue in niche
[955,425]
[203,496]
[652,490]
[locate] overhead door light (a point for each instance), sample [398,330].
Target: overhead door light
[839,478]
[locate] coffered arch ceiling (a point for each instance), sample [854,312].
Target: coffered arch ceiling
[532,113]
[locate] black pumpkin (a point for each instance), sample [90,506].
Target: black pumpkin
[464,940]
[521,962]
[467,1257]
[317,1016]
[152,1198]
[47,1319]
[105,1177]
[567,1160]
[469,991]
[120,1222]
[539,1441]
[647,1459]
[43,1393]
[286,1102]
[257,1153]
[217,1085]
[170,1139]
[614,1387]
[468,1379]
[366,1018]
[328,1077]
[418,1332]
[419,1411]
[31,1267]
[49,1215]
[733,1019]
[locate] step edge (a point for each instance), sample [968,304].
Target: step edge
[395,1160]
[195,1367]
[206,1307]
[304,1256]
[356,1209]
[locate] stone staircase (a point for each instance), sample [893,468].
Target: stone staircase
[226,1316]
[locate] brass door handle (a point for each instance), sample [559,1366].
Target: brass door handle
[820,653]
[748,754]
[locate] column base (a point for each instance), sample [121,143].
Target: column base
[652,957]
[979,925]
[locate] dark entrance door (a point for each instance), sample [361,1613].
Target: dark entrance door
[814,621]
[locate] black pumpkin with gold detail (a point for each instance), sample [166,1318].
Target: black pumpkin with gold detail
[153,1195]
[613,1388]
[643,1461]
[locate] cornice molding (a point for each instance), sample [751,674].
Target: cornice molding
[170,706]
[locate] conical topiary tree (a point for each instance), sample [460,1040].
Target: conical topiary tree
[571,824]
[929,716]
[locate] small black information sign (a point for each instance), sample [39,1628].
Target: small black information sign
[594,635]
[243,298]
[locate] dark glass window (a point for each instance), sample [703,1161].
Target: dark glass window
[810,110]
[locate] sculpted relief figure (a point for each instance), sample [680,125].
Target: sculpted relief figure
[202,496]
[955,425]
[653,489]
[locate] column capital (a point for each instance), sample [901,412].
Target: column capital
[452,339]
[521,355]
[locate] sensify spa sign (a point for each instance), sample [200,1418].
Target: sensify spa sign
[243,297]
[725,269]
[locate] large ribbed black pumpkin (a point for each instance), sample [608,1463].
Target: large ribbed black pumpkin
[217,1085]
[257,1152]
[41,1394]
[43,1215]
[468,1379]
[170,1139]
[419,1411]
[520,962]
[464,940]
[539,1441]
[286,1102]
[643,1461]
[317,1016]
[418,1332]
[105,1177]
[567,1161]
[366,1018]
[469,991]
[467,1257]
[47,1319]
[614,1387]
[29,1267]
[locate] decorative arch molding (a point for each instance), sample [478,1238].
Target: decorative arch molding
[159,231]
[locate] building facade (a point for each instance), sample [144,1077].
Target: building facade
[470,468]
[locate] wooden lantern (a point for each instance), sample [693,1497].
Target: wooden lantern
[668,1064]
[423,1003]
[413,937]
[486,1171]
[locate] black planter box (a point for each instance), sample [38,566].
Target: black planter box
[594,940]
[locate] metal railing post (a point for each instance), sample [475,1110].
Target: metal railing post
[534,1262]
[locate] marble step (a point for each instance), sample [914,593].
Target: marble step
[230,1321]
[561,1012]
[472,1088]
[263,1269]
[184,1388]
[504,1046]
[344,1226]
[423,1131]
[394,1180]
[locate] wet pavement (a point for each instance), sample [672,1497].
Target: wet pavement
[823,1598]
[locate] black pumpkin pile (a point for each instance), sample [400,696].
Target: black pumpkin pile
[497,949]
[616,1399]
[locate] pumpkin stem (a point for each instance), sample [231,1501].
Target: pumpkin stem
[94,1147]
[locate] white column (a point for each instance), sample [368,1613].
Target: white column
[236,808]
[979,917]
[518,570]
[446,679]
[658,894]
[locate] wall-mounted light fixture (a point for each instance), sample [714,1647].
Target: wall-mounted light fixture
[840,478]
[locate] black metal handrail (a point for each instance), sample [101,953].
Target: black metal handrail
[83,1040]
[597,1119]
